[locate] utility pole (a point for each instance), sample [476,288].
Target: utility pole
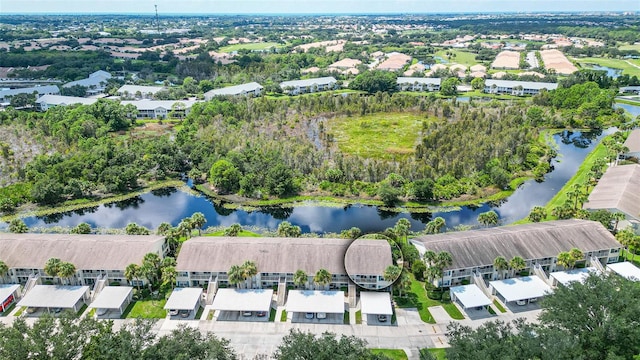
[157,21]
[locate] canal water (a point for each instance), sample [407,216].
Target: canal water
[171,205]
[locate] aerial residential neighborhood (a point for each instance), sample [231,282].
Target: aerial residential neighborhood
[371,180]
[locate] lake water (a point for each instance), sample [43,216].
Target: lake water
[634,110]
[611,72]
[170,205]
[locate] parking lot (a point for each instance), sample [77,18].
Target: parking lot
[330,319]
[242,316]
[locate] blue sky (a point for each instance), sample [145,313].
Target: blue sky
[310,6]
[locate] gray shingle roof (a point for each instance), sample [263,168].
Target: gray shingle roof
[530,241]
[271,255]
[368,257]
[47,89]
[86,252]
[233,90]
[633,141]
[619,188]
[308,82]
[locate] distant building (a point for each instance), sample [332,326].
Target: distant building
[95,83]
[630,90]
[633,144]
[46,102]
[161,109]
[249,89]
[296,87]
[5,95]
[418,84]
[618,190]
[519,88]
[138,91]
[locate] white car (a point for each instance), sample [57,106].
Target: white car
[173,312]
[521,302]
[309,315]
[321,315]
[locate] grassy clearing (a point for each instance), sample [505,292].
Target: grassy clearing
[250,46]
[461,57]
[612,63]
[630,47]
[453,311]
[417,298]
[628,102]
[361,135]
[394,354]
[499,306]
[243,233]
[19,312]
[440,354]
[283,316]
[146,309]
[359,317]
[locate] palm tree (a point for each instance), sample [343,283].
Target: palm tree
[537,214]
[443,261]
[576,255]
[488,218]
[402,228]
[434,226]
[300,278]
[391,273]
[198,220]
[66,270]
[184,227]
[565,260]
[500,264]
[132,271]
[151,268]
[18,226]
[164,228]
[52,266]
[432,273]
[403,283]
[249,270]
[4,270]
[517,264]
[233,230]
[235,275]
[322,278]
[625,237]
[617,217]
[169,275]
[429,257]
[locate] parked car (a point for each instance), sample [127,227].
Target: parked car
[247,313]
[57,310]
[321,315]
[261,314]
[533,300]
[521,302]
[309,315]
[173,312]
[382,318]
[185,313]
[31,310]
[101,312]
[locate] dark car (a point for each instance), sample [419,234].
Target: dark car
[261,314]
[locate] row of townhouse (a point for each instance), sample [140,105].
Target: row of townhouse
[474,252]
[93,256]
[502,87]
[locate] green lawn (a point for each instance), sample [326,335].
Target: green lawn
[462,57]
[453,311]
[243,233]
[417,298]
[440,354]
[250,46]
[272,314]
[283,316]
[394,354]
[146,309]
[499,306]
[359,317]
[630,47]
[19,312]
[360,135]
[612,63]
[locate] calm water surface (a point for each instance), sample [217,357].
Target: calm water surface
[170,205]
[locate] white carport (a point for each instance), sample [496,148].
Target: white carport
[243,300]
[524,288]
[316,301]
[375,303]
[184,299]
[113,298]
[55,296]
[568,276]
[8,294]
[469,296]
[625,269]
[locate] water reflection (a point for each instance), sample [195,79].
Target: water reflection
[171,206]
